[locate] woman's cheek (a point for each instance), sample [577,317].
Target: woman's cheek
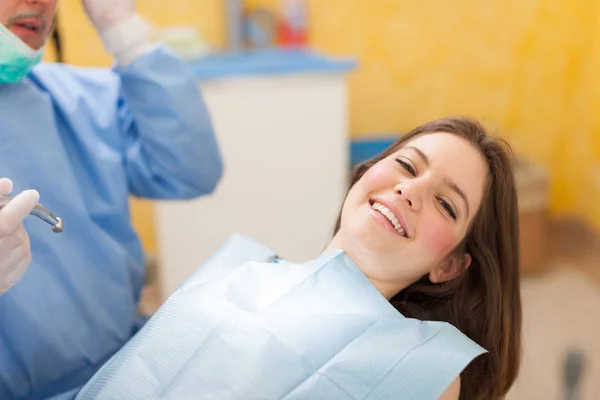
[439,236]
[376,175]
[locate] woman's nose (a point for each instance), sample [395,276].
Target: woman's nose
[411,192]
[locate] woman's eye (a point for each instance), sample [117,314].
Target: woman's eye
[448,209]
[407,167]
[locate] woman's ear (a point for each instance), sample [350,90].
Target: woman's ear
[451,268]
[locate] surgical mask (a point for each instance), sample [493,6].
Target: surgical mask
[16,57]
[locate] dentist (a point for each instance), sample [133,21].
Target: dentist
[83,140]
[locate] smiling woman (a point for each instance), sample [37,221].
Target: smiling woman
[424,192]
[450,188]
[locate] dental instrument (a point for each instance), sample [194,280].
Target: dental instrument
[41,212]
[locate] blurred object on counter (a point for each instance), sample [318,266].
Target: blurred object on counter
[260,29]
[186,41]
[293,25]
[533,196]
[234,12]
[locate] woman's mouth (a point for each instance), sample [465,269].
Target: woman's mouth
[389,215]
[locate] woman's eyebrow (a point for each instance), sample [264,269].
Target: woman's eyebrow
[459,191]
[420,153]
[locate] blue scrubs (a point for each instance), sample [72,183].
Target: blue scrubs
[86,139]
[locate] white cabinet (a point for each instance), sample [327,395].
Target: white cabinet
[285,145]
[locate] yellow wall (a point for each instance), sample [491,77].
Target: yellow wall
[592,85]
[529,68]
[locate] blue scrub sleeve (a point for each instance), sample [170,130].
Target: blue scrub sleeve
[171,148]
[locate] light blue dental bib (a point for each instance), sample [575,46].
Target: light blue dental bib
[247,327]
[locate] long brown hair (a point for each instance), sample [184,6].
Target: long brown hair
[484,301]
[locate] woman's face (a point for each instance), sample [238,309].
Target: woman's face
[406,214]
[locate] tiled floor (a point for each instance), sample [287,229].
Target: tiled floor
[561,308]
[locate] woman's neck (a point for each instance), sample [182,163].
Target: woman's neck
[387,289]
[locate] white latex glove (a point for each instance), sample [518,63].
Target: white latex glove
[15,253]
[124,33]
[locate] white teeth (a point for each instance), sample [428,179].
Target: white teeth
[390,216]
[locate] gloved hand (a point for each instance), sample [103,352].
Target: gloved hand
[15,253]
[106,14]
[124,33]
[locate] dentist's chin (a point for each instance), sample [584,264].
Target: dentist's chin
[35,40]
